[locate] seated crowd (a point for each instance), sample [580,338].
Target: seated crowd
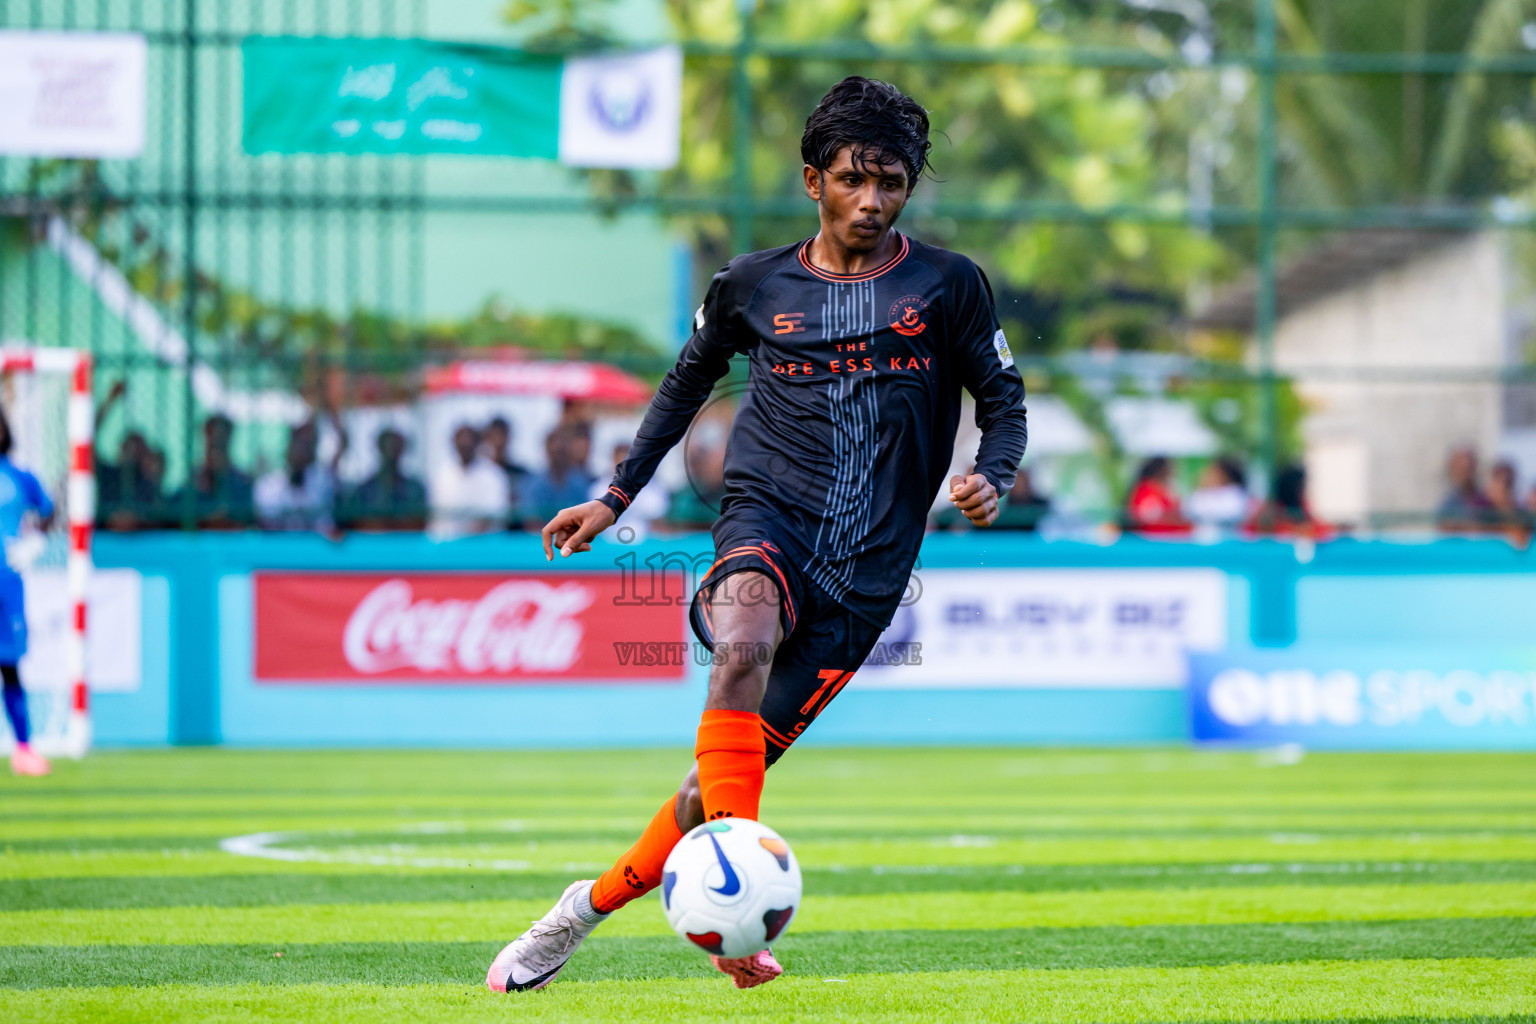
[481,489]
[1220,503]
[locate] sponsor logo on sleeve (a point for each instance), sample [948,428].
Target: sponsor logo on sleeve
[1004,354]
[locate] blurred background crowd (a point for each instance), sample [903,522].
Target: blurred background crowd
[482,488]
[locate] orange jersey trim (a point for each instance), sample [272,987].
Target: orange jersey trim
[805,261]
[619,494]
[761,552]
[775,737]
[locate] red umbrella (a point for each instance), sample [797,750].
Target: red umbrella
[593,382]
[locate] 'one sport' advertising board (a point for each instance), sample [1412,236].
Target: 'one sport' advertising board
[1358,698]
[464,628]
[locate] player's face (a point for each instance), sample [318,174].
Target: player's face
[859,200]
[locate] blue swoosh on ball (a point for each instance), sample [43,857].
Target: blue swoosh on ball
[732,884]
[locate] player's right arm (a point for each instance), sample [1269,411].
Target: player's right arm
[687,386]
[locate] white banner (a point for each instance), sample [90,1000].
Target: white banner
[622,111]
[1047,628]
[72,94]
[113,630]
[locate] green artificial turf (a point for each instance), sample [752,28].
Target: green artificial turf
[967,885]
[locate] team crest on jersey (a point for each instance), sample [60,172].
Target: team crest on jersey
[907,315]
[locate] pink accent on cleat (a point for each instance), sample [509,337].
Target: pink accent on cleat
[747,971]
[26,761]
[536,957]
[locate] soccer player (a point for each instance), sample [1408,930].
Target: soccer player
[860,341]
[20,493]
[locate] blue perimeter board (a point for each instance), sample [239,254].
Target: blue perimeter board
[198,642]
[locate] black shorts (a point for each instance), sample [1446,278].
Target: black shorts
[824,642]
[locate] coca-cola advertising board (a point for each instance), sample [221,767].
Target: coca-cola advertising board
[462,627]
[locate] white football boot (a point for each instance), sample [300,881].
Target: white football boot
[534,958]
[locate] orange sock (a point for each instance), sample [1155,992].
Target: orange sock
[639,871]
[730,751]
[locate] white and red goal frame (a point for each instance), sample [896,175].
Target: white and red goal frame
[72,736]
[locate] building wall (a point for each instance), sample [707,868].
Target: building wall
[1376,441]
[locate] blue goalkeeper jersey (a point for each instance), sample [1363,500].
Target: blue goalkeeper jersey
[20,493]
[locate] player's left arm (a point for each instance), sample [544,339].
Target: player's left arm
[987,371]
[38,498]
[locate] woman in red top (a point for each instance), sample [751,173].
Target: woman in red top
[1153,507]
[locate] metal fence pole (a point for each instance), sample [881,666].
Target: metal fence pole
[1264,306]
[741,129]
[189,266]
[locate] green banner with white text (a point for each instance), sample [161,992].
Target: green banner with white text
[323,95]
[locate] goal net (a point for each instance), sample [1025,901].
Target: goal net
[46,395]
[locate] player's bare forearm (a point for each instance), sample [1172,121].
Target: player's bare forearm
[975,497]
[573,528]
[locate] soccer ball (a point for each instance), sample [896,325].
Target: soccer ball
[730,886]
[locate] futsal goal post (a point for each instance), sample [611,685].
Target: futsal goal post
[46,395]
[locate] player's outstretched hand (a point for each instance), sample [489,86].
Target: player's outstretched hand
[573,528]
[975,497]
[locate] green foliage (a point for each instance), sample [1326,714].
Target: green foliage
[284,344]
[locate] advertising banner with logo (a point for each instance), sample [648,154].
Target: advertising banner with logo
[1354,698]
[622,110]
[1050,628]
[324,95]
[464,627]
[72,94]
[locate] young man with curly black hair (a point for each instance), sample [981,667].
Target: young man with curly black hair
[860,341]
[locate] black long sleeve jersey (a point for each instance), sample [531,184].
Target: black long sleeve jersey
[847,423]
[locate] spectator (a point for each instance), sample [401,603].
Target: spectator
[157,512]
[300,496]
[222,496]
[498,446]
[1020,508]
[1465,506]
[1504,515]
[649,505]
[123,492]
[565,481]
[1287,513]
[1221,500]
[469,493]
[697,506]
[387,500]
[1153,507]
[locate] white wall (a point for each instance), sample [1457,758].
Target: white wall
[1380,446]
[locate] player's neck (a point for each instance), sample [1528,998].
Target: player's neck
[827,253]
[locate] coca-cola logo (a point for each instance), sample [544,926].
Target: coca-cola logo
[518,626]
